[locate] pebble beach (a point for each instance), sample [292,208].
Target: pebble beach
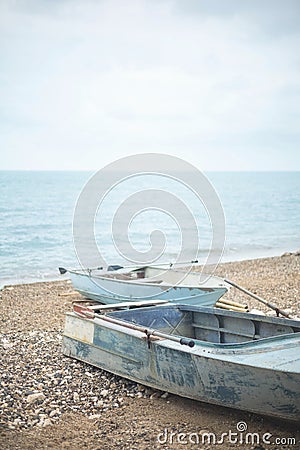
[50,401]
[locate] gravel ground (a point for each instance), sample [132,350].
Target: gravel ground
[50,401]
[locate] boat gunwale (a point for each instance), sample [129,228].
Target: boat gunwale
[247,347]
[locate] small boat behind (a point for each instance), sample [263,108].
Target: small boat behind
[119,284]
[238,360]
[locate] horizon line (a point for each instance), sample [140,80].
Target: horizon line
[100,168]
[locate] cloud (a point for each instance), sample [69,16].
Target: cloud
[85,82]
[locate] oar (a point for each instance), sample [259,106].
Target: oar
[170,264]
[148,331]
[261,300]
[82,309]
[62,270]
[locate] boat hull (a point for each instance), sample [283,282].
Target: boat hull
[220,377]
[111,291]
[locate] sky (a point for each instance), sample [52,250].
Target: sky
[85,82]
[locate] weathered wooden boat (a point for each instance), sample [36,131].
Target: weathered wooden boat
[238,360]
[109,286]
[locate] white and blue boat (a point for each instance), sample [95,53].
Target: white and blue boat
[119,284]
[238,360]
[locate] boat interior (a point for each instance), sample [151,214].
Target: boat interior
[151,274]
[215,326]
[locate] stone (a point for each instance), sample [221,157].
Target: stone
[95,416]
[104,392]
[154,395]
[17,421]
[141,388]
[34,398]
[7,345]
[257,312]
[47,422]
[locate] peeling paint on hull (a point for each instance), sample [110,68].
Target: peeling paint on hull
[237,379]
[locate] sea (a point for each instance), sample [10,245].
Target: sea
[260,210]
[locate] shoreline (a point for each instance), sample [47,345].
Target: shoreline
[51,401]
[52,278]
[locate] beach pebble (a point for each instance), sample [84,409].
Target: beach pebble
[17,421]
[104,393]
[139,394]
[95,416]
[89,374]
[33,398]
[256,311]
[155,395]
[47,422]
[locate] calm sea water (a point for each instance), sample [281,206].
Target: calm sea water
[36,214]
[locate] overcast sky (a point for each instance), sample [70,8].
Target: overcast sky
[85,82]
